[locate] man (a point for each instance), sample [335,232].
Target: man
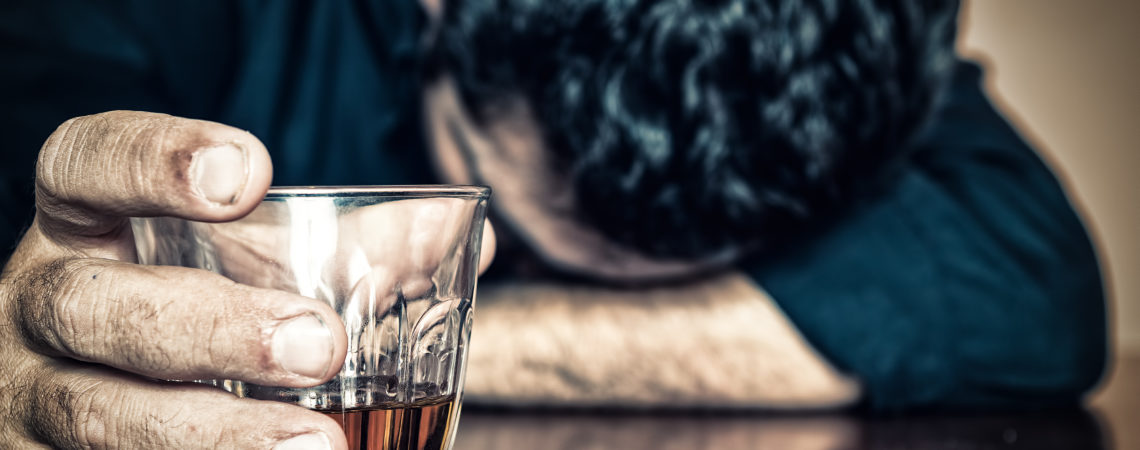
[813,193]
[787,140]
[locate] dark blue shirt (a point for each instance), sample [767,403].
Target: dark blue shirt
[969,282]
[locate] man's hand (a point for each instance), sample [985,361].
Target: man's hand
[84,333]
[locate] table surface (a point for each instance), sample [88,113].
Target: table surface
[1110,421]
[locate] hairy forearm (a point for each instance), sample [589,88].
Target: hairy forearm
[717,343]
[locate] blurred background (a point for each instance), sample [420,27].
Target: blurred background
[1066,73]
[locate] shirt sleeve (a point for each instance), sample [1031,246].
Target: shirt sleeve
[970,283]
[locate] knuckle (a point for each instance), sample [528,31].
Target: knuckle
[35,306]
[55,308]
[87,144]
[168,424]
[132,326]
[71,415]
[53,157]
[130,340]
[70,314]
[218,354]
[88,421]
[70,146]
[71,310]
[234,323]
[87,413]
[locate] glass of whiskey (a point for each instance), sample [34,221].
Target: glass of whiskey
[397,263]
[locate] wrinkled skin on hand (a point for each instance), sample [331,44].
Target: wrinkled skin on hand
[86,334]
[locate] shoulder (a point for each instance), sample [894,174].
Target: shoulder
[970,268]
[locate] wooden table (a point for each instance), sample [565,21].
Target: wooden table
[1111,421]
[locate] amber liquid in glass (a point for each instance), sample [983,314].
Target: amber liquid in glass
[423,425]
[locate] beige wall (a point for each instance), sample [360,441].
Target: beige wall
[1066,71]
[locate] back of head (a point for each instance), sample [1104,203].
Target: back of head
[690,127]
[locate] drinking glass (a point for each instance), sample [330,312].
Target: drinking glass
[397,263]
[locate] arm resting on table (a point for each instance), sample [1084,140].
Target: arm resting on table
[717,343]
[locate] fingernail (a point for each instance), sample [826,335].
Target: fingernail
[304,346]
[311,441]
[220,173]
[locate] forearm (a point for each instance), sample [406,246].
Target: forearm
[717,343]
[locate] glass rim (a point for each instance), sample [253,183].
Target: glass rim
[387,191]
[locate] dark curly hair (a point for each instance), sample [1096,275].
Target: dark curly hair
[694,126]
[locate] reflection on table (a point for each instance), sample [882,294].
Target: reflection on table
[554,430]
